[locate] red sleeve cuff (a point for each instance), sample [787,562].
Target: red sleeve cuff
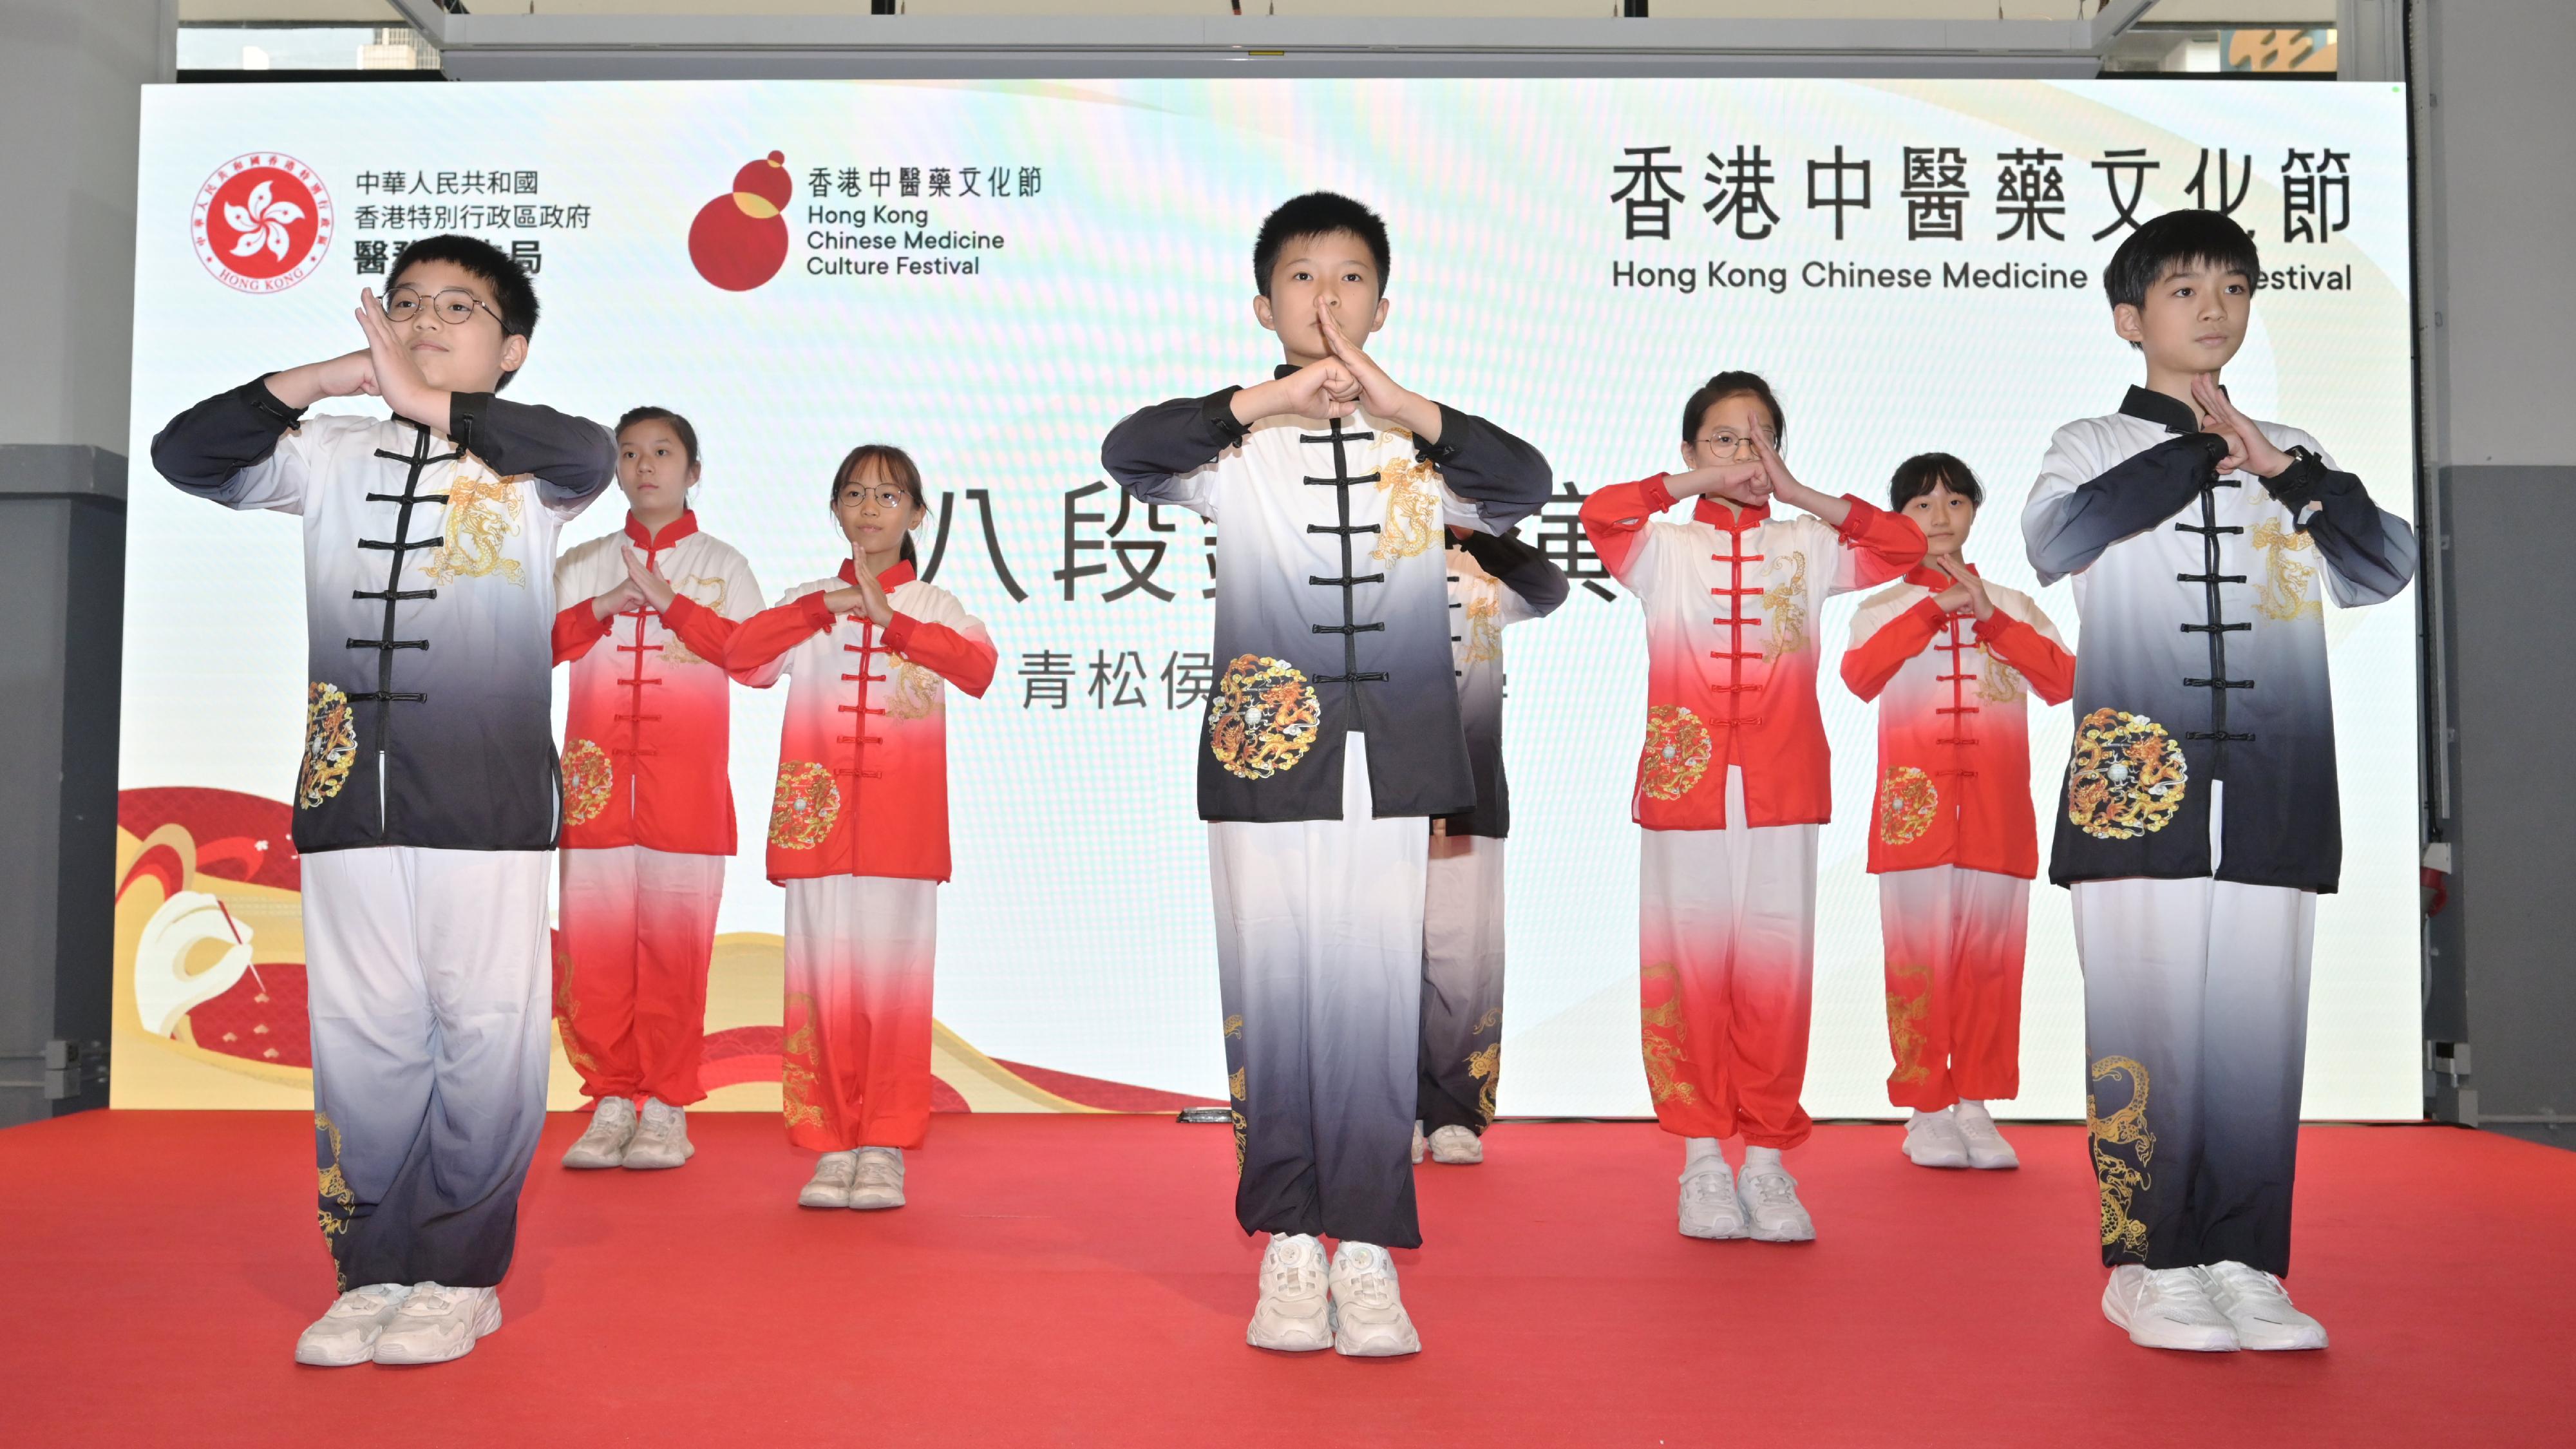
[681,607]
[1656,493]
[817,614]
[1931,612]
[898,632]
[1993,630]
[1858,521]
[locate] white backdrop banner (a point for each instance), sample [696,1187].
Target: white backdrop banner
[992,274]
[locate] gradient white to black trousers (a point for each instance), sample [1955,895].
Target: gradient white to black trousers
[2196,1022]
[1319,961]
[427,972]
[1462,983]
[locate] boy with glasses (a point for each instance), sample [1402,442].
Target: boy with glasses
[427,804]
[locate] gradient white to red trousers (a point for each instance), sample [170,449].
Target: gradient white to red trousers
[1955,939]
[639,927]
[1727,931]
[854,1066]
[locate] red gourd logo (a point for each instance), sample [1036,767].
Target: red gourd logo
[740,241]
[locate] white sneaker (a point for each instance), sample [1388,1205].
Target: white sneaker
[436,1324]
[1710,1208]
[1421,1144]
[1771,1206]
[879,1181]
[346,1334]
[833,1174]
[661,1137]
[1369,1320]
[1987,1148]
[1456,1145]
[2258,1308]
[2166,1308]
[603,1142]
[1295,1314]
[1933,1139]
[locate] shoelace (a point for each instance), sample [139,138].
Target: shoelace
[1371,1287]
[428,1298]
[1773,1187]
[1707,1187]
[1980,1128]
[839,1171]
[603,1124]
[2248,1282]
[362,1301]
[1299,1277]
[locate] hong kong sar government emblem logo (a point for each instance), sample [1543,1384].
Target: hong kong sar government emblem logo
[262,222]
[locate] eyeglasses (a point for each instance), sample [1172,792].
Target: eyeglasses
[1728,442]
[455,306]
[888,499]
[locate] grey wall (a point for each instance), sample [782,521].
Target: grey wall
[2496,207]
[69,72]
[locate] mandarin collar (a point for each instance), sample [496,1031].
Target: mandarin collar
[1932,578]
[2154,407]
[672,532]
[900,573]
[1709,510]
[1285,369]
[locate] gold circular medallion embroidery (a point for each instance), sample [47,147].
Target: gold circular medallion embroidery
[1906,802]
[1677,752]
[806,806]
[2127,777]
[330,745]
[587,778]
[1265,717]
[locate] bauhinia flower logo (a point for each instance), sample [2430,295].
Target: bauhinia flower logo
[262,222]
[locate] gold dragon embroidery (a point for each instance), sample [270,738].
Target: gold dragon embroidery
[2120,1179]
[482,513]
[1784,609]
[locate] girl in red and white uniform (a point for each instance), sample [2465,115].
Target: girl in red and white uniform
[1950,658]
[1732,784]
[647,803]
[858,833]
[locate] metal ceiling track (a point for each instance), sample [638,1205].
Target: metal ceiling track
[1046,47]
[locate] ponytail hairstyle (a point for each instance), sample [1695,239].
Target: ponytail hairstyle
[1732,384]
[678,425]
[896,467]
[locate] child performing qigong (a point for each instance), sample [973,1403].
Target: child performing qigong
[1949,657]
[2200,817]
[427,801]
[1494,581]
[648,804]
[1732,783]
[1333,738]
[858,830]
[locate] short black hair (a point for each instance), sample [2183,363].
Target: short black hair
[2173,240]
[1317,213]
[679,425]
[513,295]
[1924,472]
[1731,384]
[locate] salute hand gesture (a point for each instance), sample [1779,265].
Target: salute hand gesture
[647,585]
[397,377]
[1966,589]
[2247,447]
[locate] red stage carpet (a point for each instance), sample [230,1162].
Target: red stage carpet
[1076,1281]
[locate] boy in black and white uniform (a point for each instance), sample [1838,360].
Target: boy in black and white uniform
[427,805]
[1494,581]
[2199,820]
[1332,737]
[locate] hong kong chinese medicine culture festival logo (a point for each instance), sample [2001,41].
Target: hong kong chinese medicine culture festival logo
[262,222]
[740,241]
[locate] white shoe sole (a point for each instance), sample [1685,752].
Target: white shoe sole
[811,1196]
[874,1203]
[1941,1160]
[2284,1341]
[2169,1336]
[1291,1334]
[1717,1232]
[632,1163]
[2008,1163]
[487,1321]
[1795,1233]
[314,1355]
[581,1161]
[1463,1159]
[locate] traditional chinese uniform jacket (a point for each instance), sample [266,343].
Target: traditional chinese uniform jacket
[858,834]
[426,801]
[1333,732]
[2199,818]
[1732,783]
[648,806]
[1494,582]
[1951,839]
